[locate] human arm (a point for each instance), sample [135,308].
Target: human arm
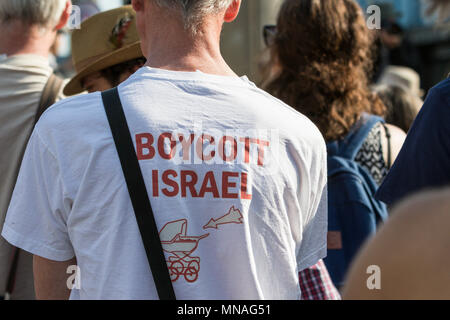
[51,278]
[37,215]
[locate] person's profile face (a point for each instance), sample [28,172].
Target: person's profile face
[95,82]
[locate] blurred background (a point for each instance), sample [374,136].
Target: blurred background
[408,37]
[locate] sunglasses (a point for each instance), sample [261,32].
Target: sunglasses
[269,33]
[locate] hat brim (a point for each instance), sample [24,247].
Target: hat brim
[124,54]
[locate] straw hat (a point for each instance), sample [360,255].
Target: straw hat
[404,77]
[104,40]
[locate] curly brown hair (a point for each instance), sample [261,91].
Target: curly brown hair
[323,53]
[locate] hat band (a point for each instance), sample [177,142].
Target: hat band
[81,65]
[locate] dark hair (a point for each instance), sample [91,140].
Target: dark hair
[113,73]
[402,106]
[324,52]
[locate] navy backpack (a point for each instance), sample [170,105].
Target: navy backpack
[353,211]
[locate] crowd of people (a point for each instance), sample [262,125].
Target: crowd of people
[289,189]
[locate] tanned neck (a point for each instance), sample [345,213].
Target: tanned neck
[17,38]
[174,48]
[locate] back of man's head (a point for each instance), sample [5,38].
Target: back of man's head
[194,11]
[32,12]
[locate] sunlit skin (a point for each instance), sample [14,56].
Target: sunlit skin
[411,252]
[18,38]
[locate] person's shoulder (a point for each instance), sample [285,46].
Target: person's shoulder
[26,64]
[396,133]
[71,113]
[290,120]
[439,93]
[443,86]
[295,128]
[278,105]
[398,137]
[434,113]
[72,105]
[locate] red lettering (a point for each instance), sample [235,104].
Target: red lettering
[186,146]
[226,185]
[185,184]
[234,151]
[209,179]
[244,194]
[170,183]
[155,183]
[189,180]
[246,149]
[144,141]
[261,144]
[161,146]
[199,147]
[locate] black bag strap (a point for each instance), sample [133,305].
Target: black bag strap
[138,193]
[49,94]
[389,146]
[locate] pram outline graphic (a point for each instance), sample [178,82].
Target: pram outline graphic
[174,241]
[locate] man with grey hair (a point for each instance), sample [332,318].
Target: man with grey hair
[194,11]
[29,30]
[236,179]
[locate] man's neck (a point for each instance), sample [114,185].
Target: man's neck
[17,39]
[176,49]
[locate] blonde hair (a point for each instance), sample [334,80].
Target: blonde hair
[194,11]
[45,13]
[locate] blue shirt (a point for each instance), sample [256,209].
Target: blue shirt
[424,161]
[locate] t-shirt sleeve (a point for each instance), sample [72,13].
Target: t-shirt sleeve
[314,241]
[312,197]
[424,161]
[36,220]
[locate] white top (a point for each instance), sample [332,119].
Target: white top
[240,212]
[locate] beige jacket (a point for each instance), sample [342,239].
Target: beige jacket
[22,80]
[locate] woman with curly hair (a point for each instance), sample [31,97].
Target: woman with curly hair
[321,60]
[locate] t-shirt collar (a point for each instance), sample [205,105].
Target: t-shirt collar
[186,75]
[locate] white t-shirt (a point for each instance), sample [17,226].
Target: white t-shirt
[236,178]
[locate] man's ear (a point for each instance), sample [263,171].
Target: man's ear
[65,16]
[232,11]
[138,5]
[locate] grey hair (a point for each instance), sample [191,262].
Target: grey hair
[193,11]
[45,13]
